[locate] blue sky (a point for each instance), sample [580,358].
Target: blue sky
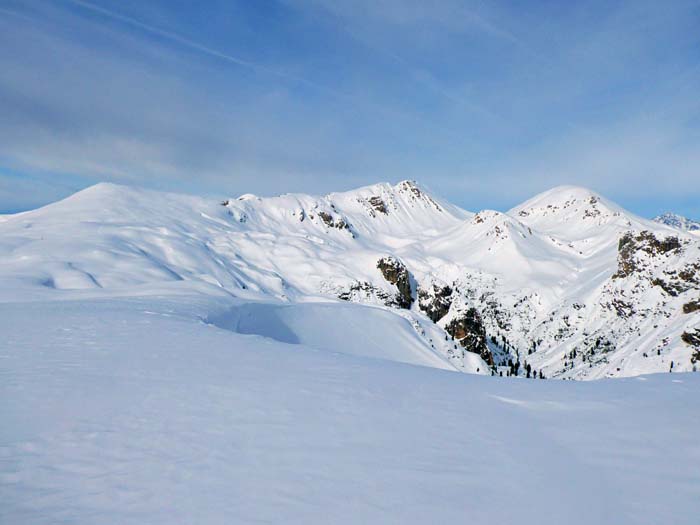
[486,103]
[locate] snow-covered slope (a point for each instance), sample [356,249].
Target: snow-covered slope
[678,221]
[131,411]
[568,283]
[344,328]
[172,359]
[611,319]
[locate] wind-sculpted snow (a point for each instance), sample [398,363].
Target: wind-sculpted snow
[133,410]
[543,280]
[347,328]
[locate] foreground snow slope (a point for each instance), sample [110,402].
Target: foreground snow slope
[135,410]
[346,328]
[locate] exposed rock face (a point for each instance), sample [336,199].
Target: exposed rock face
[468,329]
[410,185]
[689,274]
[630,245]
[333,222]
[692,306]
[693,339]
[362,291]
[395,272]
[435,301]
[411,188]
[378,205]
[670,287]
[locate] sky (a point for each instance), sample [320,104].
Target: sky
[484,103]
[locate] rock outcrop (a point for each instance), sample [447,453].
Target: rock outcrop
[435,301]
[468,329]
[334,222]
[630,245]
[395,272]
[378,205]
[693,339]
[692,306]
[362,291]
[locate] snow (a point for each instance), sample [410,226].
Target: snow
[347,328]
[678,221]
[541,274]
[173,359]
[135,410]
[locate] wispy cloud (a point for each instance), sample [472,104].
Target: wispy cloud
[456,16]
[201,48]
[487,103]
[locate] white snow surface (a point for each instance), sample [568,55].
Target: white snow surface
[135,410]
[172,359]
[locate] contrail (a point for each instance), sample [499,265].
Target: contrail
[196,46]
[186,42]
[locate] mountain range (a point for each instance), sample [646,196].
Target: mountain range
[172,359]
[678,221]
[565,285]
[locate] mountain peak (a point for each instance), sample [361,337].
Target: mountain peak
[678,221]
[562,194]
[98,189]
[567,209]
[100,195]
[565,200]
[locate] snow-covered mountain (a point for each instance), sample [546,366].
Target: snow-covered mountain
[678,221]
[567,285]
[170,359]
